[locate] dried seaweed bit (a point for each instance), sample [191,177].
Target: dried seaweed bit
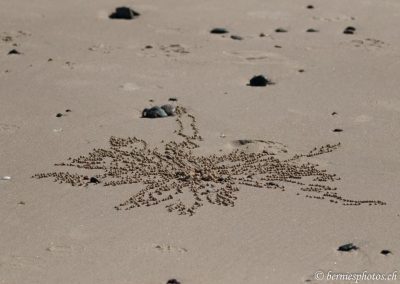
[184,182]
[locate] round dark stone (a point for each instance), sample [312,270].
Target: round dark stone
[173,281]
[13,51]
[281,30]
[337,130]
[173,99]
[94,180]
[236,37]
[312,30]
[349,30]
[148,46]
[219,31]
[259,81]
[261,35]
[347,247]
[59,115]
[310,7]
[67,110]
[169,109]
[385,252]
[154,112]
[124,13]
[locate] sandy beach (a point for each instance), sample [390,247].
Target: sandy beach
[239,183]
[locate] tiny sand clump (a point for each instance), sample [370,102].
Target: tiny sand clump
[183,181]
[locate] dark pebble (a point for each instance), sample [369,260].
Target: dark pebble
[13,51]
[154,112]
[173,99]
[236,37]
[148,46]
[334,113]
[385,252]
[259,81]
[169,109]
[124,13]
[349,30]
[50,59]
[94,180]
[67,110]
[301,70]
[59,115]
[347,247]
[280,30]
[219,31]
[310,7]
[173,281]
[312,30]
[261,35]
[277,46]
[337,130]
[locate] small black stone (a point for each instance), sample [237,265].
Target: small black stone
[148,46]
[349,30]
[277,46]
[67,110]
[259,81]
[385,252]
[59,115]
[301,70]
[173,99]
[219,31]
[154,112]
[334,113]
[280,30]
[124,13]
[13,51]
[173,281]
[310,7]
[261,35]
[312,30]
[94,180]
[236,37]
[50,59]
[347,247]
[337,130]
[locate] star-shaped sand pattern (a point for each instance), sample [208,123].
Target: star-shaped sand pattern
[184,182]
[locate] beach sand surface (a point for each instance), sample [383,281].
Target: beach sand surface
[73,57]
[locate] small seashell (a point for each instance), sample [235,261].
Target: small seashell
[6,178]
